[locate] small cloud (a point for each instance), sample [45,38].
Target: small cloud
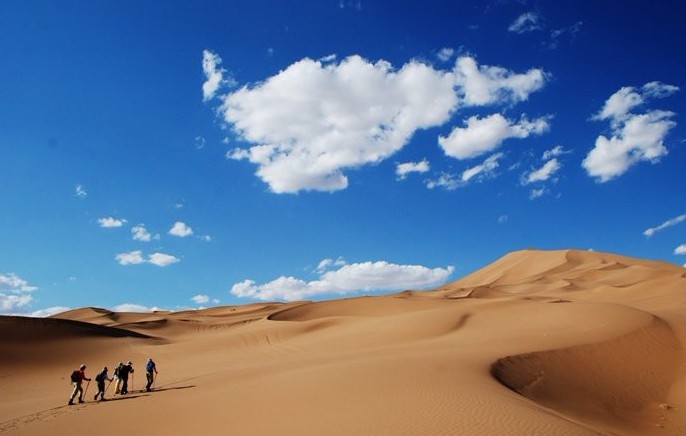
[556,151]
[403,169]
[205,238]
[180,229]
[162,260]
[111,222]
[447,181]
[481,135]
[48,311]
[199,142]
[327,264]
[445,54]
[569,33]
[502,219]
[525,23]
[80,191]
[482,170]
[537,193]
[329,58]
[213,74]
[681,249]
[140,233]
[130,258]
[131,307]
[669,223]
[15,292]
[136,257]
[200,299]
[542,174]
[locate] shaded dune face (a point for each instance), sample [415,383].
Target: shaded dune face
[625,379]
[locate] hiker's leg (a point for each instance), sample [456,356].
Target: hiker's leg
[74,392]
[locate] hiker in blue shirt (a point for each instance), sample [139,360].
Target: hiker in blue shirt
[149,369]
[100,379]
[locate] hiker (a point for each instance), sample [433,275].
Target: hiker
[100,379]
[124,372]
[149,368]
[77,377]
[117,378]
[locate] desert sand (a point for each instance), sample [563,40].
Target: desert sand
[562,342]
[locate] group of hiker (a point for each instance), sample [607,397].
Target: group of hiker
[120,377]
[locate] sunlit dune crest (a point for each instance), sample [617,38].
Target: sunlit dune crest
[564,342]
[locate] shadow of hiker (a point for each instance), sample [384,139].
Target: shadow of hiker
[170,388]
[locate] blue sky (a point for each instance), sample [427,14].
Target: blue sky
[187,154]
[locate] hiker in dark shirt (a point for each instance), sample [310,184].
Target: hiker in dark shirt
[100,379]
[124,372]
[150,368]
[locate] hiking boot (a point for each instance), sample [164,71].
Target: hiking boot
[80,401]
[70,403]
[95,397]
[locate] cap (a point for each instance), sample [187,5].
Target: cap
[128,363]
[82,366]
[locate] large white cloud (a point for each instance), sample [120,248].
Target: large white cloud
[348,279]
[312,121]
[15,292]
[635,137]
[482,135]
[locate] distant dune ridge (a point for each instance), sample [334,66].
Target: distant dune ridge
[563,342]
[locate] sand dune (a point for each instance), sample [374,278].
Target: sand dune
[539,342]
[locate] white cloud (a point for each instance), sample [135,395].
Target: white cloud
[445,54]
[447,181]
[200,142]
[314,120]
[15,292]
[213,74]
[111,222]
[681,249]
[130,258]
[542,174]
[326,264]
[640,138]
[311,121]
[48,311]
[403,169]
[485,85]
[206,238]
[200,299]
[484,169]
[537,193]
[80,191]
[349,279]
[568,32]
[136,257]
[482,135]
[131,307]
[162,259]
[669,223]
[556,151]
[140,233]
[502,219]
[181,229]
[527,22]
[635,137]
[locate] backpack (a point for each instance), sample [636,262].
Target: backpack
[99,377]
[76,376]
[149,367]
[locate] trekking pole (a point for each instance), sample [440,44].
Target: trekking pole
[106,388]
[154,379]
[86,392]
[132,382]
